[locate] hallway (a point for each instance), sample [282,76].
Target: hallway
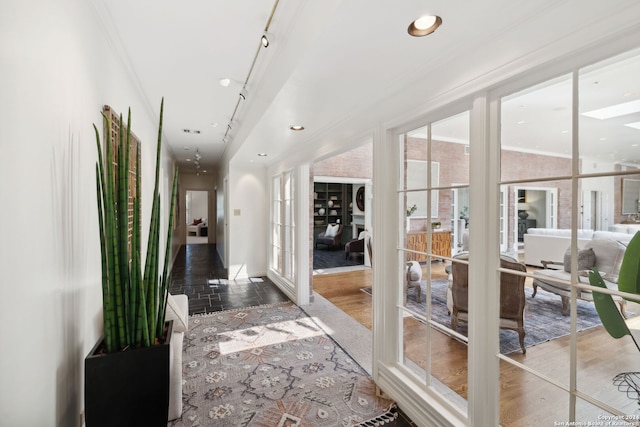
[197,264]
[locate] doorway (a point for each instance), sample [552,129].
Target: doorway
[197,216]
[533,207]
[340,293]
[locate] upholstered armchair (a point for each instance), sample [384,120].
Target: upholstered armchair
[512,301]
[355,246]
[331,237]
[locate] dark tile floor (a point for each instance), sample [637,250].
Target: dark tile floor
[199,273]
[198,264]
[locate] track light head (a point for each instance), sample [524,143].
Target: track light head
[264,40]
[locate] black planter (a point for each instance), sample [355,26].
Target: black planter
[128,388]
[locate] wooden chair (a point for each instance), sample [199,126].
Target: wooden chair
[512,296]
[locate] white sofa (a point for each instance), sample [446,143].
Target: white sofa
[550,244]
[178,311]
[626,228]
[196,226]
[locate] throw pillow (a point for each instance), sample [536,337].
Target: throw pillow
[331,230]
[586,259]
[197,221]
[174,313]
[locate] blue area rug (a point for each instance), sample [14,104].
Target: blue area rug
[332,258]
[543,318]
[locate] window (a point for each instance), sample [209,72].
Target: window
[569,183]
[561,160]
[276,225]
[434,194]
[283,226]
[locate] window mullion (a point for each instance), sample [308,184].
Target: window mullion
[483,261]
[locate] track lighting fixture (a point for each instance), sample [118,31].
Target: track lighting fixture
[264,42]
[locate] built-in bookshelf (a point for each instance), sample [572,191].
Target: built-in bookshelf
[332,203]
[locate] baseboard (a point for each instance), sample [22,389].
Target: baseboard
[283,285]
[421,405]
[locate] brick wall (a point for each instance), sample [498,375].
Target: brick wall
[454,169]
[356,163]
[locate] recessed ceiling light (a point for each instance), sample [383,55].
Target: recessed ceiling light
[424,26]
[214,125]
[296,127]
[262,154]
[521,122]
[188,160]
[264,40]
[224,82]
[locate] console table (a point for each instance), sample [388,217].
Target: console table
[440,244]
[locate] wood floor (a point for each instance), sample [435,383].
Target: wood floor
[525,399]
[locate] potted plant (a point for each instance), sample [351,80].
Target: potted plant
[612,319]
[410,211]
[127,372]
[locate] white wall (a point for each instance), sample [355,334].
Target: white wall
[248,220]
[198,208]
[57,71]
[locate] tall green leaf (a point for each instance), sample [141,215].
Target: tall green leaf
[629,277]
[605,306]
[166,275]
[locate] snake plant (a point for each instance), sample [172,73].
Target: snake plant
[134,301]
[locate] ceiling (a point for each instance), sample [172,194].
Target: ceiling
[330,66]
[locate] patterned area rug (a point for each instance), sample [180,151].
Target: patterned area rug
[271,366]
[543,318]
